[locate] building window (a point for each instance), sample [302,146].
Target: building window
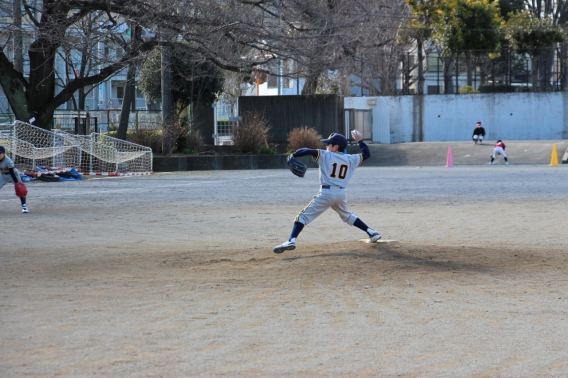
[119,92]
[433,89]
[272,81]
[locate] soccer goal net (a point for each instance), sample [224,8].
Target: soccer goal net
[105,155]
[35,149]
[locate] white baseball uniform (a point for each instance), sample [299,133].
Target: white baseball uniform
[335,171]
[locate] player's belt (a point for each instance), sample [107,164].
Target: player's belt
[329,187]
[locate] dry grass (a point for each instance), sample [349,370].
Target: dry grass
[304,136]
[194,140]
[250,136]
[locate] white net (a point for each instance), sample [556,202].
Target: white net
[33,148]
[105,155]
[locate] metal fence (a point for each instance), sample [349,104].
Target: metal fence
[226,115]
[106,119]
[109,119]
[509,71]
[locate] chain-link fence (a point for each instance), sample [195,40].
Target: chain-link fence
[474,71]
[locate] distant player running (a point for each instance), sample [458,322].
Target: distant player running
[335,170]
[9,173]
[499,150]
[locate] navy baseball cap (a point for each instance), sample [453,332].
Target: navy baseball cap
[336,139]
[2,149]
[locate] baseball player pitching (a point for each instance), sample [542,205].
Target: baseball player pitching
[335,171]
[9,173]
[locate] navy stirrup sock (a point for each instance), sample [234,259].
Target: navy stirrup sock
[298,227]
[361,225]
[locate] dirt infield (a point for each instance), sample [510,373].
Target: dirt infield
[174,275]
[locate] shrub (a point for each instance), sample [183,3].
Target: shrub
[194,140]
[468,89]
[175,134]
[147,137]
[267,151]
[251,133]
[503,88]
[304,136]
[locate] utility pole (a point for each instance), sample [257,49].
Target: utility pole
[168,138]
[167,103]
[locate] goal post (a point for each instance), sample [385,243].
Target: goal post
[35,149]
[107,156]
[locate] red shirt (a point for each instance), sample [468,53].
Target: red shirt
[500,144]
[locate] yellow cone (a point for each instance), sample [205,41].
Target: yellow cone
[554,158]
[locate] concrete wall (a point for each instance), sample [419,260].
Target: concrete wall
[435,118]
[222,162]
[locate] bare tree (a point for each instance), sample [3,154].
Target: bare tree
[237,35]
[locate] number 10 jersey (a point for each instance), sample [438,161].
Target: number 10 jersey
[336,168]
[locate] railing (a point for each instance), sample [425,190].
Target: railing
[511,71]
[109,119]
[106,119]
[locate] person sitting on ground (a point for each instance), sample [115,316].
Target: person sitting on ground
[478,133]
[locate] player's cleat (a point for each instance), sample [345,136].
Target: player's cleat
[25,209]
[506,163]
[374,237]
[287,246]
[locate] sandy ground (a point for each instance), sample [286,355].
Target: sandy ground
[174,275]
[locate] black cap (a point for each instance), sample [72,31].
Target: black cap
[338,139]
[2,149]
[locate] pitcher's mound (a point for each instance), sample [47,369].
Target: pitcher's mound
[379,241]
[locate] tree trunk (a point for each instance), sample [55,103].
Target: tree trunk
[420,46]
[18,40]
[448,69]
[564,68]
[469,68]
[126,102]
[14,84]
[42,82]
[482,74]
[311,84]
[84,61]
[82,97]
[534,73]
[549,79]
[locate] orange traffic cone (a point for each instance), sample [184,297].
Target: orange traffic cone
[554,158]
[450,160]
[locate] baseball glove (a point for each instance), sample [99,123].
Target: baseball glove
[296,166]
[21,190]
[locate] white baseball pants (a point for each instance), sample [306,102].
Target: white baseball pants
[499,151]
[334,197]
